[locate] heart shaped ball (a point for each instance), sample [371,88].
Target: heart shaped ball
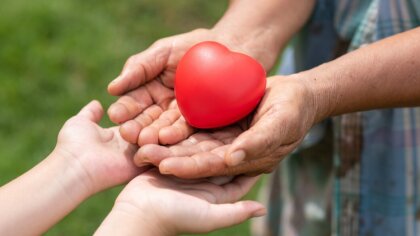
[216,87]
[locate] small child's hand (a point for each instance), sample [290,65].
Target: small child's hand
[100,154]
[154,204]
[87,159]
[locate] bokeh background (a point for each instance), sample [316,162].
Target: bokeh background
[55,56]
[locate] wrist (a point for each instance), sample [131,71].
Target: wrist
[321,94]
[73,178]
[50,190]
[258,43]
[262,28]
[126,219]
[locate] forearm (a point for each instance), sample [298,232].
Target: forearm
[262,28]
[35,201]
[382,75]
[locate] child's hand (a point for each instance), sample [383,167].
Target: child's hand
[153,204]
[100,154]
[87,159]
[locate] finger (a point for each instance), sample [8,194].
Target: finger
[227,135]
[130,130]
[150,134]
[200,165]
[141,68]
[202,146]
[195,139]
[176,132]
[92,111]
[230,192]
[237,188]
[197,162]
[130,105]
[221,180]
[135,102]
[224,136]
[209,164]
[154,154]
[225,215]
[262,137]
[151,154]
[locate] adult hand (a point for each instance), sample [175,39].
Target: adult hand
[280,123]
[147,108]
[153,204]
[146,83]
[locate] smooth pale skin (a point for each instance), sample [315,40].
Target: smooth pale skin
[152,204]
[381,75]
[88,159]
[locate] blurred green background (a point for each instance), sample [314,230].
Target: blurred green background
[55,56]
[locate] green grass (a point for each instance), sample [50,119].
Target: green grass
[55,56]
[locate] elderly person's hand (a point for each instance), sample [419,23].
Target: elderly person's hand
[146,85]
[147,109]
[280,123]
[291,105]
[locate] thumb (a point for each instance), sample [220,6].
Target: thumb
[141,68]
[225,215]
[93,111]
[251,143]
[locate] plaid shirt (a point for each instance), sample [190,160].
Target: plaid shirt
[358,174]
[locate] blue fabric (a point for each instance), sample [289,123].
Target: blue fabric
[380,194]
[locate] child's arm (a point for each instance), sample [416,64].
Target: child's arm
[86,160]
[42,196]
[157,205]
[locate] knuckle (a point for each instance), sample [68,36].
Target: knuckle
[131,61]
[201,31]
[266,142]
[160,43]
[125,99]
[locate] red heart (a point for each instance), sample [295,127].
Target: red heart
[216,87]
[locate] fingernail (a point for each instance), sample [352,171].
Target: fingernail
[260,212]
[146,160]
[165,169]
[117,113]
[237,157]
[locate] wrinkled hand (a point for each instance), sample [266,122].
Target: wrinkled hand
[103,157]
[146,85]
[147,108]
[165,205]
[280,123]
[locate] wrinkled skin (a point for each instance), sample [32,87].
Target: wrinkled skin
[280,123]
